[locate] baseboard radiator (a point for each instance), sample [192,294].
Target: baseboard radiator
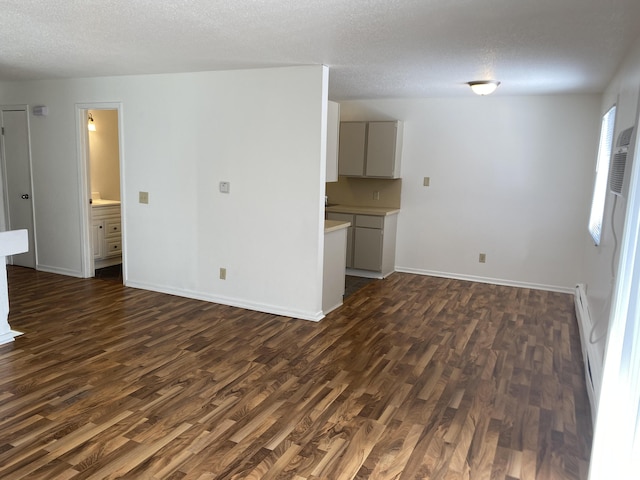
[590,351]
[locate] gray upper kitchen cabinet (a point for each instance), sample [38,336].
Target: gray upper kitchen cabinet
[106,234]
[384,141]
[352,149]
[370,149]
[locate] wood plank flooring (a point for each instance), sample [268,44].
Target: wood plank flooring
[413,378]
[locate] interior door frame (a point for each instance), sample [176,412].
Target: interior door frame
[84,183]
[5,220]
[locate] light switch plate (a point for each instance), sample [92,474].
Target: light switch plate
[426,181]
[143,197]
[225,187]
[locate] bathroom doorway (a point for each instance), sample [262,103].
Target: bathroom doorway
[103,207]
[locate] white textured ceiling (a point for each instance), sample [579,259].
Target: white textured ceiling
[374,48]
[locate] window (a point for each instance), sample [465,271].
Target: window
[602,171]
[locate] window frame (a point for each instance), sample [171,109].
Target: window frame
[605,149]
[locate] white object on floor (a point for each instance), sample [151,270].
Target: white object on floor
[11,243]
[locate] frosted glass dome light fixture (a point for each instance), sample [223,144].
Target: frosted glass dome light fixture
[90,125]
[483,87]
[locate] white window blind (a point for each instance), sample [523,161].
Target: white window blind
[602,171]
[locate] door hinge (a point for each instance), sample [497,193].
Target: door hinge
[2,130]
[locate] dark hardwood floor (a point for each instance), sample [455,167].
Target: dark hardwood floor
[414,377]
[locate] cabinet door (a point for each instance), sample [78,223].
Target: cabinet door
[97,238]
[113,247]
[112,227]
[381,149]
[352,148]
[345,217]
[367,253]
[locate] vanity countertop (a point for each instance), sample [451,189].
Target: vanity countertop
[101,202]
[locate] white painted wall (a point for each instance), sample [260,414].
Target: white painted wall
[510,177]
[616,442]
[601,262]
[104,154]
[261,130]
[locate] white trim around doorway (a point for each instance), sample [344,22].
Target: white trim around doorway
[84,183]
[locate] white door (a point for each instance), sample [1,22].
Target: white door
[17,180]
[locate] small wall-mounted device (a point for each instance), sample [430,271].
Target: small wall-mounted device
[618,181]
[225,187]
[40,111]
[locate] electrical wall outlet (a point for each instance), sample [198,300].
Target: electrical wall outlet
[223,273]
[143,197]
[425,181]
[482,258]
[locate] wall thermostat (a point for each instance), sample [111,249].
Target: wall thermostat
[40,111]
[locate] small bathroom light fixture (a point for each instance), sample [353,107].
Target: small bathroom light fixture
[90,125]
[483,87]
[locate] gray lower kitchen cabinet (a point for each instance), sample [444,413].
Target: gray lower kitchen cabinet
[371,241]
[367,254]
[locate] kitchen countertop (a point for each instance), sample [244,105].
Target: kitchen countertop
[381,211]
[101,202]
[333,225]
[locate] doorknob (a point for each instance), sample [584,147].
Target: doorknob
[25,196]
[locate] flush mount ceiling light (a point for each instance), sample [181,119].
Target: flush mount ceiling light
[483,87]
[90,125]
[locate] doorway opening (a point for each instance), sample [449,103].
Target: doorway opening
[16,185]
[101,161]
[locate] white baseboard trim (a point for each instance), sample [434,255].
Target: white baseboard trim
[493,281]
[331,309]
[59,271]
[9,336]
[107,262]
[232,302]
[354,272]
